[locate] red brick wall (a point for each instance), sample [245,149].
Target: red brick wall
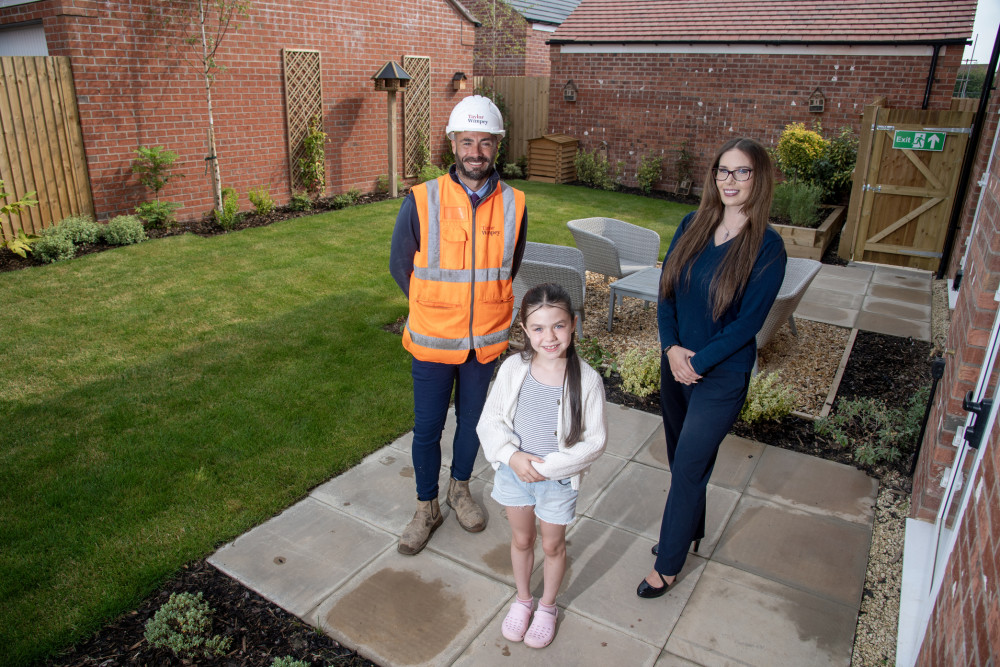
[133,89]
[964,628]
[536,54]
[649,103]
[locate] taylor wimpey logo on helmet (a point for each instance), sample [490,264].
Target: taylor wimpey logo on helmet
[477,119]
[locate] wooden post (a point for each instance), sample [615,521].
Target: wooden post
[392,143]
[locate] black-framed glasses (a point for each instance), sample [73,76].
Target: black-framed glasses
[741,174]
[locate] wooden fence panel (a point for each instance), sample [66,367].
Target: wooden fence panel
[526,99]
[42,145]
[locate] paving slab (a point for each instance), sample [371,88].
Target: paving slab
[579,641]
[380,490]
[668,659]
[899,277]
[895,308]
[817,312]
[628,429]
[300,556]
[839,283]
[738,618]
[835,298]
[736,460]
[893,326]
[859,272]
[479,468]
[819,554]
[814,484]
[412,610]
[606,565]
[635,501]
[904,294]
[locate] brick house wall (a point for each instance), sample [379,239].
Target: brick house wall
[964,627]
[519,49]
[133,89]
[642,103]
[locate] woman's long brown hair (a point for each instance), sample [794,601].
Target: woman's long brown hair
[733,273]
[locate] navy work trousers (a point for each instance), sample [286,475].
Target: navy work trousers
[432,387]
[696,418]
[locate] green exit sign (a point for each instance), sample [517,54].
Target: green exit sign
[918,140]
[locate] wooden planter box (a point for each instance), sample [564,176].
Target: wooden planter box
[812,243]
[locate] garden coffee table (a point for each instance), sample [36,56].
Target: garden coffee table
[643,285]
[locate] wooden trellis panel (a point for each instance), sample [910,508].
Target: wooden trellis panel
[303,102]
[41,143]
[416,110]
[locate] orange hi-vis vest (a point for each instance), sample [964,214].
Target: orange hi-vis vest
[461,294]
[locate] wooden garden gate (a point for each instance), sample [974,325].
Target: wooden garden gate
[41,144]
[904,185]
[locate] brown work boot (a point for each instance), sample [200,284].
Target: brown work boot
[424,522]
[470,514]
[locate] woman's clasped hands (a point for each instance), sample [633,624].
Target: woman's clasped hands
[680,365]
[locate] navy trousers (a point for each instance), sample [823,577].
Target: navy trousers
[696,418]
[432,387]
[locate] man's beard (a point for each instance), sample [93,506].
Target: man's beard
[477,174]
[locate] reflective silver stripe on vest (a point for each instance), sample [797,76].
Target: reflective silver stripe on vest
[509,222]
[457,344]
[433,225]
[461,275]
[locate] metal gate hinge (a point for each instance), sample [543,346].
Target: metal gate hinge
[872,188]
[974,434]
[884,127]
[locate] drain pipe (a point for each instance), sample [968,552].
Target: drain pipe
[970,157]
[930,76]
[937,372]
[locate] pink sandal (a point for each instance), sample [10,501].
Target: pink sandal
[543,628]
[516,623]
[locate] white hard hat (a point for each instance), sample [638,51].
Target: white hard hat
[475,114]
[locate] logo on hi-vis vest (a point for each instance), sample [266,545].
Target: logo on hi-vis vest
[477,119]
[489,231]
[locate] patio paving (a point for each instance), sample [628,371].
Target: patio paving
[778,579]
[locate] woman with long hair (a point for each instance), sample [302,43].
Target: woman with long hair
[719,279]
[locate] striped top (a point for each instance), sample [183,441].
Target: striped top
[536,418]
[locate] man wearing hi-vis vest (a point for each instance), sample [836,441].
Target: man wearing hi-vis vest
[457,244]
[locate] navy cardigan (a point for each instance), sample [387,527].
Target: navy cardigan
[686,318]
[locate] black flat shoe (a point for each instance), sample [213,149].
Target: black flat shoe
[647,591]
[656,547]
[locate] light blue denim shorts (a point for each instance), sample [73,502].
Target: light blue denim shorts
[554,500]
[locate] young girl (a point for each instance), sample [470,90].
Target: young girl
[542,426]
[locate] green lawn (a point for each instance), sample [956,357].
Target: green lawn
[159,400]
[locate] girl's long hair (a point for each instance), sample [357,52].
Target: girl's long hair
[551,294]
[734,272]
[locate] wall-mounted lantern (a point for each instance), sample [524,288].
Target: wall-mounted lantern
[391,78]
[817,101]
[569,91]
[458,81]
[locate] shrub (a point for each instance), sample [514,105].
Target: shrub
[20,243]
[511,170]
[429,172]
[261,199]
[591,351]
[230,212]
[124,230]
[15,207]
[54,245]
[422,155]
[288,661]
[153,167]
[522,162]
[875,432]
[650,168]
[798,149]
[157,213]
[447,154]
[834,171]
[346,199]
[640,372]
[183,625]
[797,201]
[80,229]
[382,183]
[767,399]
[313,165]
[300,201]
[594,170]
[684,163]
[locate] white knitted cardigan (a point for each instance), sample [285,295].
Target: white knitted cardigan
[496,426]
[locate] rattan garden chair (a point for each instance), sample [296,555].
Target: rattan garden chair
[799,273]
[615,248]
[546,263]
